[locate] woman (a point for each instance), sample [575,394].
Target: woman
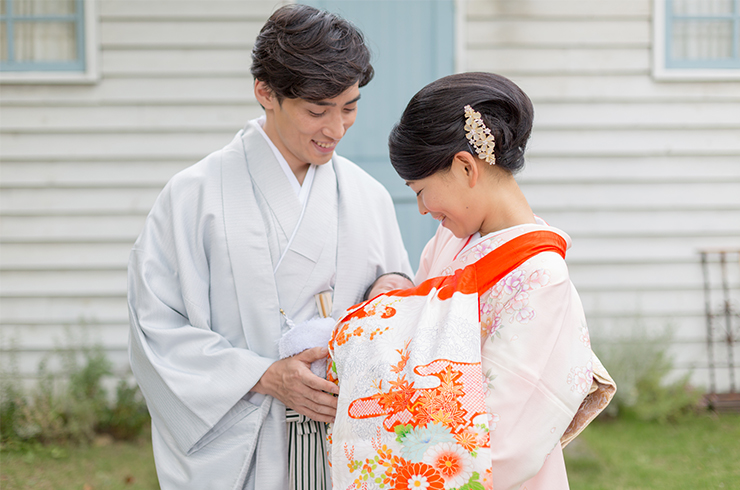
[457,146]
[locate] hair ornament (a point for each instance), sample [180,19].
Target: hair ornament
[479,136]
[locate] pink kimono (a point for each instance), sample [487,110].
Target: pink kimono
[547,385]
[475,378]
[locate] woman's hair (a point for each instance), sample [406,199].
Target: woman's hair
[303,52]
[432,128]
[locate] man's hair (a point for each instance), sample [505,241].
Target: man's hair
[302,52]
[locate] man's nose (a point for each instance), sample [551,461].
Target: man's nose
[335,128]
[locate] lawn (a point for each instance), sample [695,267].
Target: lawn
[699,453]
[103,465]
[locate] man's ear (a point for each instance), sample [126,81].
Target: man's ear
[467,166]
[264,95]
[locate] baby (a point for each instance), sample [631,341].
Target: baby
[389,281]
[317,331]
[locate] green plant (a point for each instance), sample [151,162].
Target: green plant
[641,367]
[127,418]
[71,405]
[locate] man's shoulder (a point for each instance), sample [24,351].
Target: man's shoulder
[203,173]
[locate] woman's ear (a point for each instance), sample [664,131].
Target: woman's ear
[466,165]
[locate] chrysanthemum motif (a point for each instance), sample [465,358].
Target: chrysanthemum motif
[479,136]
[452,462]
[417,441]
[414,476]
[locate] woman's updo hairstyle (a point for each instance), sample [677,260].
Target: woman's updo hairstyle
[432,128]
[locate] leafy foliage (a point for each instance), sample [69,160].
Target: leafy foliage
[69,406]
[641,369]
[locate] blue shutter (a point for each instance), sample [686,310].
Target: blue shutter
[412,44]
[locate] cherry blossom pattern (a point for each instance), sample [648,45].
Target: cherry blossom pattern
[580,378]
[487,480]
[493,419]
[510,296]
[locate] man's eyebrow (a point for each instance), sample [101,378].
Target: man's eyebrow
[332,104]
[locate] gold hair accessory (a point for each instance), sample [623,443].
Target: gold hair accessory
[479,136]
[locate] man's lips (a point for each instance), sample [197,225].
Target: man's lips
[325,146]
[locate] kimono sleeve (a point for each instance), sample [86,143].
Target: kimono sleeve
[194,379]
[537,358]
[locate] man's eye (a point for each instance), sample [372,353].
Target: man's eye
[316,114]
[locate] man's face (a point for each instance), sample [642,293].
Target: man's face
[307,132]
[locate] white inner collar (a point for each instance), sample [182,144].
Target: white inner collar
[301,191]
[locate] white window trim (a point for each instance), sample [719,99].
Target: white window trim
[460,20]
[89,76]
[660,72]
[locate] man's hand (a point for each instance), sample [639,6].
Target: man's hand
[291,381]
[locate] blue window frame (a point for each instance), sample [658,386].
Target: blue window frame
[702,34]
[42,35]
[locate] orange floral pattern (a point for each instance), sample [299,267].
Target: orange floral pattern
[423,403]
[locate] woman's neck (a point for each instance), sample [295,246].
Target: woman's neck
[506,206]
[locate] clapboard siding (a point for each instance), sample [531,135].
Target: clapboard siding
[35,256]
[154,62]
[76,172]
[160,90]
[83,164]
[550,60]
[181,34]
[641,174]
[562,9]
[596,32]
[142,118]
[641,168]
[187,10]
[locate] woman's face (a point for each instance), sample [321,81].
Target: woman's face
[445,195]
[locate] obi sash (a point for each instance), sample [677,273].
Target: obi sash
[412,405]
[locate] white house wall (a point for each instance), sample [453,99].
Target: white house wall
[83,163]
[640,173]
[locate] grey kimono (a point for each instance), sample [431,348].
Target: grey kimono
[204,302]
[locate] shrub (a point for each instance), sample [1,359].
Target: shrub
[641,366]
[70,406]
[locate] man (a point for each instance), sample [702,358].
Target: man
[234,251]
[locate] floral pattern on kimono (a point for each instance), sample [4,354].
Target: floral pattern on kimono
[546,384]
[413,406]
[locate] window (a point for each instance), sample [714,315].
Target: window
[697,39]
[45,40]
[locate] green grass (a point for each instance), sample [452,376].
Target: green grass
[698,453]
[110,466]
